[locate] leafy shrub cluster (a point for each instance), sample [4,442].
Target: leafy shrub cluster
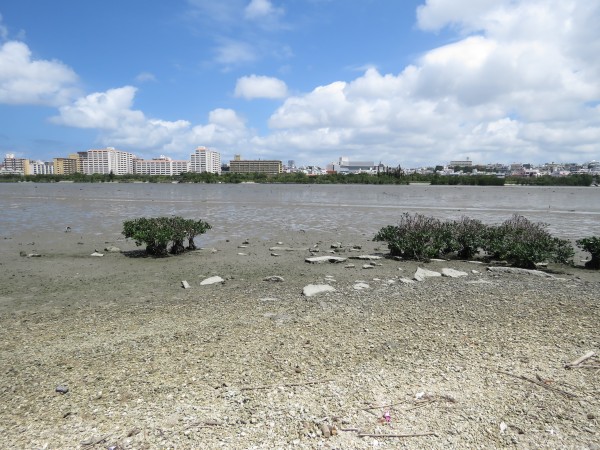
[591,245]
[158,232]
[517,240]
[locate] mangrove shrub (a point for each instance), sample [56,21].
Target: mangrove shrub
[157,233]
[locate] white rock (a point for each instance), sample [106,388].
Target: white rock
[451,273]
[366,257]
[368,266]
[212,280]
[185,284]
[361,286]
[112,249]
[349,266]
[97,254]
[407,281]
[324,259]
[242,254]
[474,271]
[421,274]
[287,249]
[314,289]
[274,254]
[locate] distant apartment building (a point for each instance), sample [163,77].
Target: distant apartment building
[461,163]
[14,165]
[205,160]
[108,160]
[160,166]
[41,168]
[345,165]
[272,167]
[65,166]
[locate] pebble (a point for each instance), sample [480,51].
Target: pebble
[61,389]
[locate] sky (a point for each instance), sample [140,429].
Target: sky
[402,82]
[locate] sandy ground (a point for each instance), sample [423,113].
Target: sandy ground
[474,362]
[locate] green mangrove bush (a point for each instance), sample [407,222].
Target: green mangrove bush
[517,240]
[416,237]
[591,245]
[157,233]
[524,243]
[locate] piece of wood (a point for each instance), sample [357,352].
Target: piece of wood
[403,435]
[581,359]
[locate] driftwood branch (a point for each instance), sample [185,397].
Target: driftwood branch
[383,406]
[581,359]
[271,386]
[402,435]
[542,384]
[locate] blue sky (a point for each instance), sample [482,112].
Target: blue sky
[407,82]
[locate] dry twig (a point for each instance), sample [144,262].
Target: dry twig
[306,383]
[539,383]
[402,435]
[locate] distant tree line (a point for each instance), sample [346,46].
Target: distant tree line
[395,176]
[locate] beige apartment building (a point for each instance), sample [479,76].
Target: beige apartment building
[65,166]
[16,165]
[239,165]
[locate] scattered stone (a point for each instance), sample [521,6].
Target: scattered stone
[474,271]
[516,270]
[97,254]
[274,278]
[475,262]
[246,242]
[212,280]
[438,260]
[421,274]
[349,266]
[288,249]
[280,243]
[366,257]
[112,249]
[242,246]
[451,273]
[336,245]
[361,286]
[185,284]
[368,266]
[407,281]
[242,254]
[315,289]
[324,259]
[61,389]
[274,254]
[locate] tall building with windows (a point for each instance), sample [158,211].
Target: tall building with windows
[160,166]
[108,160]
[16,165]
[205,160]
[41,168]
[65,166]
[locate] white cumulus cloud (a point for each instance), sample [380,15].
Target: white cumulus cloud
[27,81]
[257,86]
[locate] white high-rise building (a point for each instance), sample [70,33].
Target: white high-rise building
[204,160]
[108,160]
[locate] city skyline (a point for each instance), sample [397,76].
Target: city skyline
[410,83]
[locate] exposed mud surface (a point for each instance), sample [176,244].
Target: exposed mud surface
[472,362]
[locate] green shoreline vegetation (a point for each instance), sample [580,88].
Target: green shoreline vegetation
[397,178]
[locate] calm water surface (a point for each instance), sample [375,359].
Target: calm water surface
[256,210]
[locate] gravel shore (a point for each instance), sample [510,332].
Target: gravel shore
[112,352]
